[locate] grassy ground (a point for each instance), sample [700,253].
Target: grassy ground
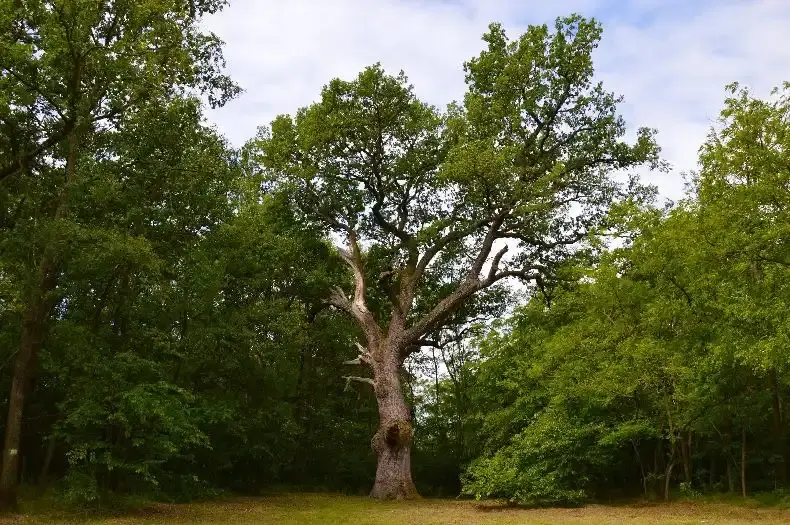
[320,509]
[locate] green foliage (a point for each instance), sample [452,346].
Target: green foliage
[668,354]
[186,346]
[547,463]
[176,290]
[528,158]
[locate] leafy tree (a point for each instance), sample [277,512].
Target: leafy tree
[70,70]
[668,362]
[524,165]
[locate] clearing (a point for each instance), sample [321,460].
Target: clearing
[330,509]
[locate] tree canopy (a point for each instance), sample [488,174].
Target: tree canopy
[179,317]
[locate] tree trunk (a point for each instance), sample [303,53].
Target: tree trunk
[668,472]
[33,330]
[34,321]
[778,425]
[42,478]
[685,452]
[668,479]
[392,442]
[659,466]
[743,461]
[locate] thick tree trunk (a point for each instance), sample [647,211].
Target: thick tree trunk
[393,440]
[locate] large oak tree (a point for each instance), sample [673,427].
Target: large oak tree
[506,185]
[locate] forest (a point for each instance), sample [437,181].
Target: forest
[375,295]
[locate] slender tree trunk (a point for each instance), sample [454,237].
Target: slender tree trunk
[658,466]
[641,468]
[33,332]
[393,440]
[667,479]
[778,425]
[743,461]
[730,478]
[685,452]
[34,326]
[51,444]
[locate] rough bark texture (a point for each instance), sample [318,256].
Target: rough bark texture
[393,439]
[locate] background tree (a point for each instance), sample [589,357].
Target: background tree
[667,365]
[71,70]
[524,163]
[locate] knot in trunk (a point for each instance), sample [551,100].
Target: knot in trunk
[395,433]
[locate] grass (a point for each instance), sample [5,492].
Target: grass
[329,509]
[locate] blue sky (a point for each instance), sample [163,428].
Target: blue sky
[670,59]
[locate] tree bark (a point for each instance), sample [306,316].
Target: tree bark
[668,479]
[34,326]
[33,332]
[393,439]
[685,452]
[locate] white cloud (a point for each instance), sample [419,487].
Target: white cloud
[670,59]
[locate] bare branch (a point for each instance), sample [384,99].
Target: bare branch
[358,305]
[488,243]
[362,358]
[526,275]
[358,379]
[444,308]
[466,288]
[338,299]
[495,264]
[442,243]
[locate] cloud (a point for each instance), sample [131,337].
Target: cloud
[669,58]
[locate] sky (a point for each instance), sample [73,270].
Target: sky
[670,59]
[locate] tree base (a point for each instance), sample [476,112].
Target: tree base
[399,492]
[392,443]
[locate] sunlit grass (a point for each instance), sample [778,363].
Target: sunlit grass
[329,509]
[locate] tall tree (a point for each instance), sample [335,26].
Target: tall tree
[70,70]
[524,165]
[669,363]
